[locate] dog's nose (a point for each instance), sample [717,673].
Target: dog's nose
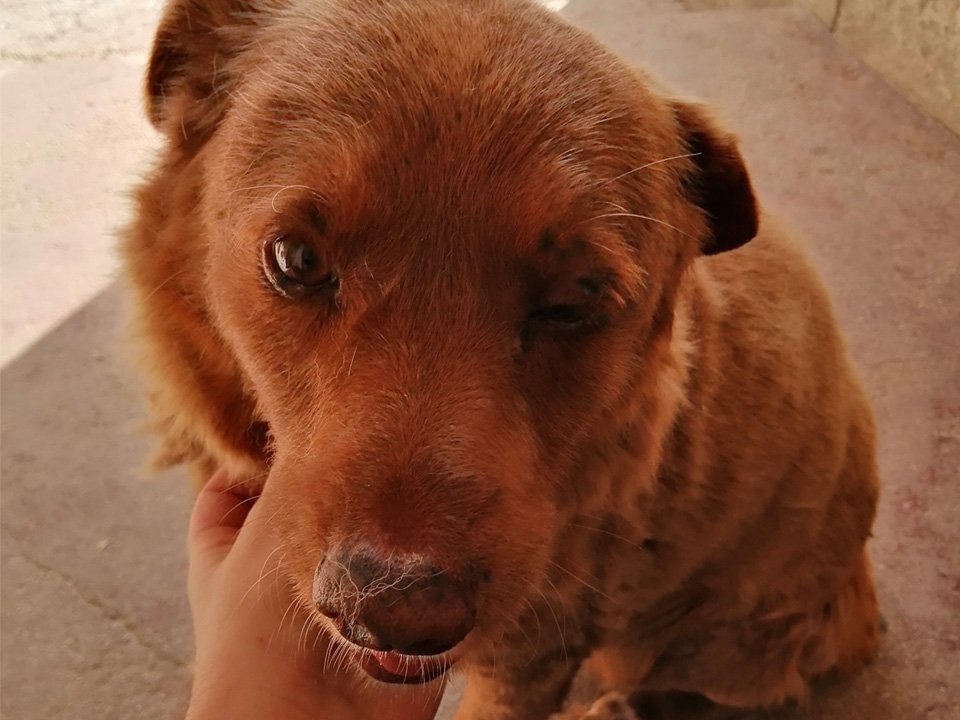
[403,603]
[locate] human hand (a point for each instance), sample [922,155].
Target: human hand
[257,653]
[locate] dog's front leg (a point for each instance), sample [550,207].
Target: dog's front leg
[611,706]
[532,689]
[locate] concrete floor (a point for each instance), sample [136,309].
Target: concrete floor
[94,620]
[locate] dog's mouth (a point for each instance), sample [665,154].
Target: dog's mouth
[390,666]
[397,668]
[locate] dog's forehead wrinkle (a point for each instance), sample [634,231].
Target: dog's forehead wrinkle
[462,177]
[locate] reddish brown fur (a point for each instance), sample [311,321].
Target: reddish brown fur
[680,493]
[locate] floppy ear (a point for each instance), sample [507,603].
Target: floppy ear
[188,81]
[719,183]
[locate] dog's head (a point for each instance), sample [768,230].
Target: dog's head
[440,245]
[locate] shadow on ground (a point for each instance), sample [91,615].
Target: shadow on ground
[92,550]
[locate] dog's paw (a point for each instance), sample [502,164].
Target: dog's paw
[612,706]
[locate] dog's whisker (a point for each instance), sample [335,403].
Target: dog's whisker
[252,498]
[650,165]
[561,632]
[325,664]
[516,622]
[642,217]
[536,616]
[267,186]
[259,579]
[277,574]
[170,278]
[582,581]
[303,637]
[254,161]
[607,532]
[267,520]
[276,195]
[290,606]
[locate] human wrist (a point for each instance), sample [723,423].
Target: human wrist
[265,694]
[264,707]
[264,704]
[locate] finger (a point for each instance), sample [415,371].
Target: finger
[222,503]
[259,525]
[219,512]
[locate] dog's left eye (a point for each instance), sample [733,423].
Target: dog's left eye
[292,263]
[568,316]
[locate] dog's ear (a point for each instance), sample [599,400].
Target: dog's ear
[188,81]
[719,183]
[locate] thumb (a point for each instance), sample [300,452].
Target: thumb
[220,510]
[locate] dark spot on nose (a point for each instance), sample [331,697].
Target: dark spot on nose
[402,603]
[650,544]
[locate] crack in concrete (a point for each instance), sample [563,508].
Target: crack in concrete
[835,21]
[109,613]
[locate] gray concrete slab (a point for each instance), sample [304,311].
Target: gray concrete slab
[94,620]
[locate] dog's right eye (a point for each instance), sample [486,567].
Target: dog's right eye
[293,265]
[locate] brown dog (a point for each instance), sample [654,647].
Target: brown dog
[457,280]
